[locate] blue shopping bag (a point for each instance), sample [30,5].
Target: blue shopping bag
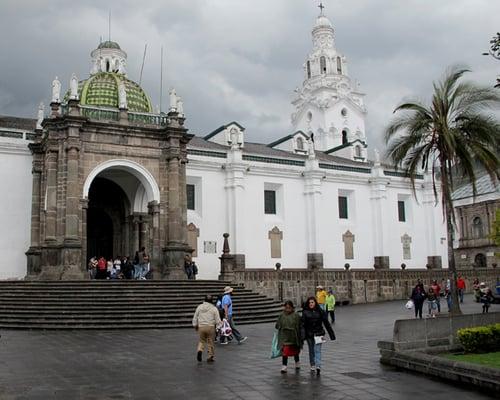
[275,350]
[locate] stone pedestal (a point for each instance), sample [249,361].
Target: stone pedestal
[34,262]
[434,262]
[229,263]
[381,262]
[315,261]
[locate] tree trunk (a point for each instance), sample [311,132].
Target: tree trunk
[455,305]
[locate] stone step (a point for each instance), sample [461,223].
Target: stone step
[124,326]
[120,304]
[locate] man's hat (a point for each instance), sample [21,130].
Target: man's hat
[228,289]
[319,287]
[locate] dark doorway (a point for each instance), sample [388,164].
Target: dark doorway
[99,233]
[480,260]
[106,217]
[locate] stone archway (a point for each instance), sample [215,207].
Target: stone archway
[124,193]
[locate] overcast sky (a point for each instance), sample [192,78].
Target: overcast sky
[241,59]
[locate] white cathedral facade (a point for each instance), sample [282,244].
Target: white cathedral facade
[311,199]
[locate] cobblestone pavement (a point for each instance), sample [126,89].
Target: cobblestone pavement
[156,364]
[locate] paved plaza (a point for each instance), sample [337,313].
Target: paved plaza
[160,364]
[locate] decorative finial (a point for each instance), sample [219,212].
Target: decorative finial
[321,7]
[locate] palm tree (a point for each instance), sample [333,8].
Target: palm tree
[447,137]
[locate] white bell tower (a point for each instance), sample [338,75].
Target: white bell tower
[329,104]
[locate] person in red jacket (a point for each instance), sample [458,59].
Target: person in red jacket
[461,288]
[437,291]
[101,268]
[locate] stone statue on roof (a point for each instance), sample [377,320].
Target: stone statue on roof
[56,91]
[122,96]
[73,87]
[180,106]
[173,100]
[40,116]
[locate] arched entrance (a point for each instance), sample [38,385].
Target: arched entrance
[121,210]
[480,260]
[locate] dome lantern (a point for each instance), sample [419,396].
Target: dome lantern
[108,57]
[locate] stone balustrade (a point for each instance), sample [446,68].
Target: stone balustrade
[355,286]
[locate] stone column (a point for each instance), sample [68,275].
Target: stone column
[235,191]
[313,193]
[154,211]
[135,241]
[380,229]
[33,253]
[51,196]
[144,235]
[433,259]
[72,194]
[84,206]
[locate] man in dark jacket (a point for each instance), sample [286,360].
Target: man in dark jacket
[314,320]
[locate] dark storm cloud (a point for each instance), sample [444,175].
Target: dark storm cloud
[240,60]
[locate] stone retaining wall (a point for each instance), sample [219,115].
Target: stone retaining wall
[357,286]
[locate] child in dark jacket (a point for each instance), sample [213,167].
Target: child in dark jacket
[289,336]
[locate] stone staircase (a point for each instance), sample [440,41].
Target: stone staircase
[120,304]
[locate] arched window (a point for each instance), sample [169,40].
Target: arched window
[107,65]
[322,64]
[344,137]
[308,69]
[477,228]
[300,143]
[339,65]
[357,151]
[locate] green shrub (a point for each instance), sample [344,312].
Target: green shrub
[482,339]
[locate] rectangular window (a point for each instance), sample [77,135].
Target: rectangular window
[190,197]
[401,211]
[343,214]
[270,201]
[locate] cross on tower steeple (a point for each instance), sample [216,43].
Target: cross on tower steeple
[321,7]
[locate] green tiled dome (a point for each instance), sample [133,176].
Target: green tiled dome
[101,89]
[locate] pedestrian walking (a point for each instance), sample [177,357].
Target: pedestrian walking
[437,291]
[447,294]
[206,319]
[289,336]
[418,297]
[432,303]
[461,288]
[227,305]
[321,297]
[330,305]
[315,320]
[486,297]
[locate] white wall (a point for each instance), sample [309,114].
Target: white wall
[15,210]
[291,217]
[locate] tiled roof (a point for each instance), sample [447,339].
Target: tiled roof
[26,124]
[484,185]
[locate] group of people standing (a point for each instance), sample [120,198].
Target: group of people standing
[435,292]
[120,267]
